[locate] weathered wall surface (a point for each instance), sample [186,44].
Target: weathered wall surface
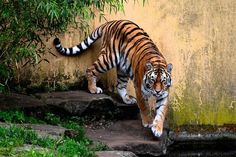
[197,37]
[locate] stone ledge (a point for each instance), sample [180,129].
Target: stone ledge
[78,102]
[191,137]
[18,101]
[130,135]
[115,154]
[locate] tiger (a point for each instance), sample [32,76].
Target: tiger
[128,47]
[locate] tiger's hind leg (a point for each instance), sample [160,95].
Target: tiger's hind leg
[101,65]
[158,122]
[122,81]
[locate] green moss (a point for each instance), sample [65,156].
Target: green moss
[191,113]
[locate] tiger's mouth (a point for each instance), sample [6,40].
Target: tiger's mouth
[161,95]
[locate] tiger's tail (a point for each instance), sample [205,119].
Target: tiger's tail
[76,50]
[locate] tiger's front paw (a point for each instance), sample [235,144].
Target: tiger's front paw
[147,125]
[157,130]
[146,121]
[129,99]
[96,90]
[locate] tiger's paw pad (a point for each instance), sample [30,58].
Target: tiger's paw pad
[156,132]
[129,100]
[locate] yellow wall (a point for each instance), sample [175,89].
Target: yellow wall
[196,36]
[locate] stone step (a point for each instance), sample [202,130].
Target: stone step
[79,103]
[129,135]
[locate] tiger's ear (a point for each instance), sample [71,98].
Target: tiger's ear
[169,68]
[148,66]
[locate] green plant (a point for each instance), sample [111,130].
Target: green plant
[36,153]
[99,146]
[46,142]
[25,24]
[12,116]
[73,148]
[52,119]
[14,136]
[17,117]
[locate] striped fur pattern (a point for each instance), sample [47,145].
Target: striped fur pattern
[128,47]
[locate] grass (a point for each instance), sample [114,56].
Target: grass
[18,117]
[13,136]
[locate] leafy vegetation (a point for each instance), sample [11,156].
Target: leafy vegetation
[12,136]
[18,117]
[24,25]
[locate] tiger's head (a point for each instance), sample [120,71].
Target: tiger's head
[156,80]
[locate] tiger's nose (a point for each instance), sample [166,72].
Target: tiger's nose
[163,94]
[158,93]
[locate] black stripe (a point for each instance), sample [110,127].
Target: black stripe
[120,75]
[65,51]
[110,59]
[114,40]
[91,37]
[129,68]
[131,31]
[122,39]
[122,79]
[115,26]
[122,28]
[94,73]
[71,50]
[97,33]
[97,69]
[118,36]
[100,65]
[105,62]
[140,59]
[126,35]
[145,44]
[114,51]
[143,51]
[109,55]
[93,34]
[120,87]
[86,42]
[80,47]
[132,77]
[134,45]
[162,111]
[136,35]
[146,54]
[110,25]
[157,107]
